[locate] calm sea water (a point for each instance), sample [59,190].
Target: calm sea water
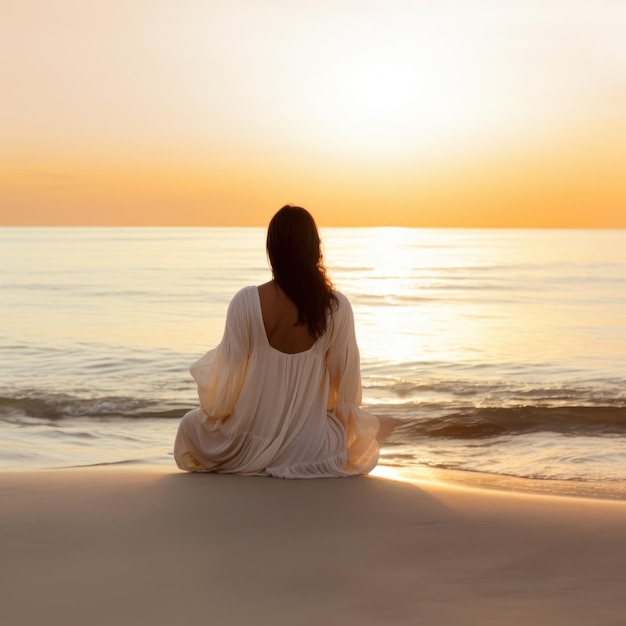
[501,351]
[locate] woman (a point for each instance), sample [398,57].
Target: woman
[279,395]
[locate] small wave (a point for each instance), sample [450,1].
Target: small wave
[54,407]
[102,464]
[479,423]
[457,418]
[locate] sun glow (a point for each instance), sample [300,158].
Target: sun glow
[408,113]
[382,87]
[393,106]
[369,107]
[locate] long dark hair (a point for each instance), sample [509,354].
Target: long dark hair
[293,248]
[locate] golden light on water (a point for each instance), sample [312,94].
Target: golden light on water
[390,256]
[442,296]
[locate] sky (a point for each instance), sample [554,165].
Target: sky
[432,113]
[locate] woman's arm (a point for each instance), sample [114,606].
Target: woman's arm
[220,372]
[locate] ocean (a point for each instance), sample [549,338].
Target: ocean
[501,352]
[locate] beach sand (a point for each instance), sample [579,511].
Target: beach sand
[106,546]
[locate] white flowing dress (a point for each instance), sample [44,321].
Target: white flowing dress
[266,412]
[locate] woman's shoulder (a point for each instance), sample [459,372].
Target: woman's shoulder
[243,300]
[342,304]
[341,314]
[245,294]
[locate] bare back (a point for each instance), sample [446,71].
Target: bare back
[280,317]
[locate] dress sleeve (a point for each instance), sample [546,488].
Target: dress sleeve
[344,397]
[220,372]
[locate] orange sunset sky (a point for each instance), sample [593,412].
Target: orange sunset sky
[411,113]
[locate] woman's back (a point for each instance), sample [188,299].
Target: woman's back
[280,319]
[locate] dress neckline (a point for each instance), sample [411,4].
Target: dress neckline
[264,332]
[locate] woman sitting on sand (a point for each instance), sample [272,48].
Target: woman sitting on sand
[279,395]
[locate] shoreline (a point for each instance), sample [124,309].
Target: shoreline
[419,475]
[158,546]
